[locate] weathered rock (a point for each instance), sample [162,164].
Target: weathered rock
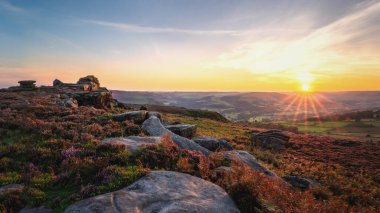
[101,100]
[299,182]
[153,127]
[91,81]
[245,158]
[213,144]
[157,114]
[28,84]
[88,84]
[133,143]
[347,143]
[161,192]
[184,130]
[57,83]
[11,188]
[272,139]
[135,116]
[41,209]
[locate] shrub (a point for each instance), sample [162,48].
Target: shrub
[9,177]
[42,181]
[114,177]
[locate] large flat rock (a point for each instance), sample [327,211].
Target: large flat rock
[154,127]
[133,143]
[161,192]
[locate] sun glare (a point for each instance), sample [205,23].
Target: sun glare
[305,88]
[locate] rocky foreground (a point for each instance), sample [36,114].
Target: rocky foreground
[73,148]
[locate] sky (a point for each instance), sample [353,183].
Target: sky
[198,45]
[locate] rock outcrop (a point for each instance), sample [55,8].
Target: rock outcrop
[153,127]
[91,81]
[272,139]
[161,192]
[184,130]
[213,144]
[88,83]
[95,99]
[87,92]
[26,85]
[133,143]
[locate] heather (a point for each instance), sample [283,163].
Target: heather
[55,152]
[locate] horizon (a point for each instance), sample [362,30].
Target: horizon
[221,46]
[197,91]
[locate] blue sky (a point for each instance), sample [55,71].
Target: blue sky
[139,45]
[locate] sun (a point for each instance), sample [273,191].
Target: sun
[305,80]
[305,88]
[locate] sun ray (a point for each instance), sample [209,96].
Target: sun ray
[305,110]
[296,97]
[297,111]
[312,104]
[320,105]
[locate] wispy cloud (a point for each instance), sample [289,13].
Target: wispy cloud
[347,44]
[145,29]
[5,5]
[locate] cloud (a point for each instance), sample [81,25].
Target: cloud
[347,44]
[143,29]
[5,5]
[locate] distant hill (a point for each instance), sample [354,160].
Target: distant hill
[257,105]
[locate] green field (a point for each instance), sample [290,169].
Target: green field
[366,129]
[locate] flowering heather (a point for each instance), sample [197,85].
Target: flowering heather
[55,152]
[71,152]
